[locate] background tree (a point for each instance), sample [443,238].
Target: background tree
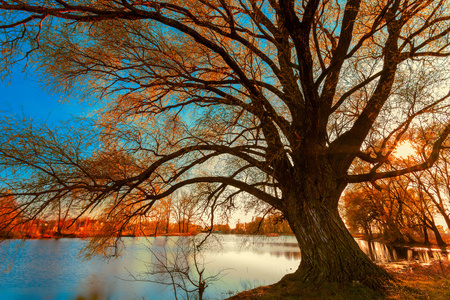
[9,218]
[186,209]
[434,183]
[283,97]
[158,217]
[223,228]
[167,205]
[360,212]
[400,210]
[384,208]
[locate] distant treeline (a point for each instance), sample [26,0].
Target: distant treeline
[87,227]
[269,225]
[170,217]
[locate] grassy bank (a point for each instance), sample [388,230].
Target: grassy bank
[414,281]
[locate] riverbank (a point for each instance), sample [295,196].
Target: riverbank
[80,236]
[417,243]
[413,281]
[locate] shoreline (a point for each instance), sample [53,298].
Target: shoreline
[433,246]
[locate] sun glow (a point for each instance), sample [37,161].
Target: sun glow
[404,150]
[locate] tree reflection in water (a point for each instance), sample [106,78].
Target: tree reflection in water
[291,255]
[383,253]
[51,269]
[179,263]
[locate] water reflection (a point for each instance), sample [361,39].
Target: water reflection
[383,253]
[50,269]
[280,246]
[291,255]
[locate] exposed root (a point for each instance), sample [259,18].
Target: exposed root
[369,275]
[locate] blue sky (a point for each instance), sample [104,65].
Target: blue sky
[22,94]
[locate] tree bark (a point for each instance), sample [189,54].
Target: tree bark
[167,224]
[329,252]
[437,234]
[156,228]
[443,212]
[426,239]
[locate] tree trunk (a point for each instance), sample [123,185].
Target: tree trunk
[58,230]
[156,228]
[188,221]
[426,239]
[443,212]
[329,253]
[167,224]
[438,236]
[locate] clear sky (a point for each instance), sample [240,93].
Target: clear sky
[23,94]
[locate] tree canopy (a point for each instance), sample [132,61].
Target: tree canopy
[290,101]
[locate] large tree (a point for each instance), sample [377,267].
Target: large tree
[293,100]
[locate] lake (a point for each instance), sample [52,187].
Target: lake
[52,269]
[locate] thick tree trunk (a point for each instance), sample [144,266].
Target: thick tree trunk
[328,251]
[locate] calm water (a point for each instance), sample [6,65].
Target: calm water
[51,269]
[382,253]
